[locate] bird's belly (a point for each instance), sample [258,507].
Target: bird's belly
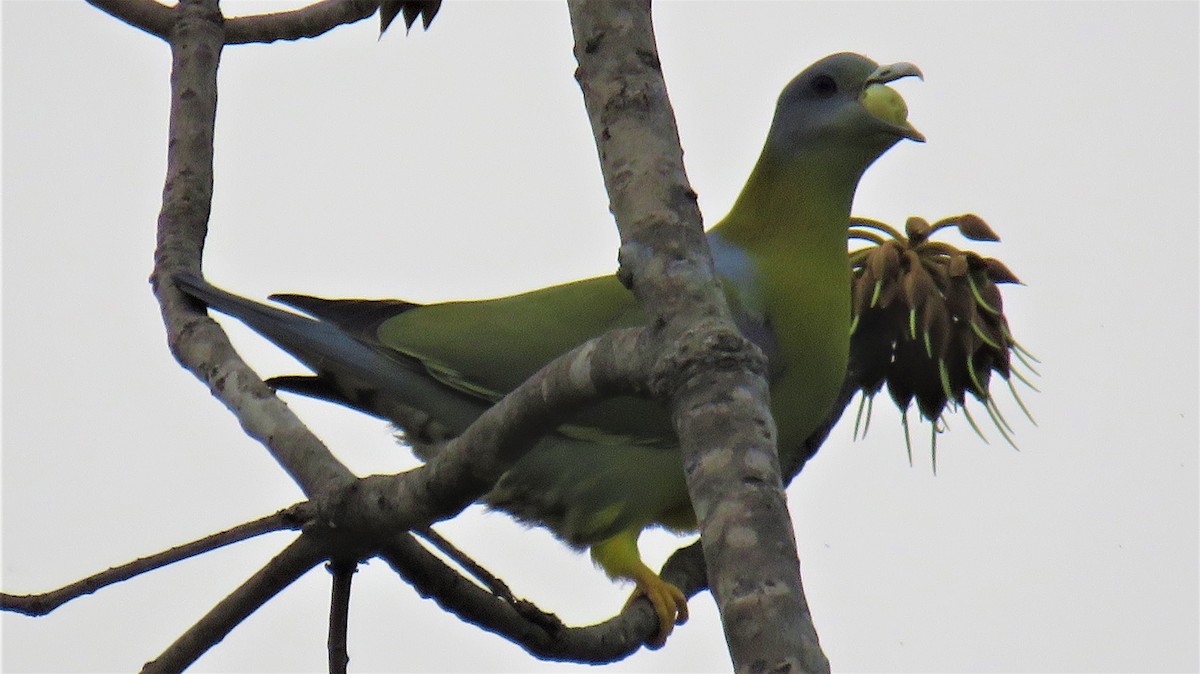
[811,359]
[586,491]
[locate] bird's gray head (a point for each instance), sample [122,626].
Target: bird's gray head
[840,109]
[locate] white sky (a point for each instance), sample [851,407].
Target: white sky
[459,164]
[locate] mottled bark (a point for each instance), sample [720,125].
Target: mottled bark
[712,376]
[196,39]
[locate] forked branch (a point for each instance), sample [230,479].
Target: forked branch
[306,22]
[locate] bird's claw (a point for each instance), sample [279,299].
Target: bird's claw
[670,605]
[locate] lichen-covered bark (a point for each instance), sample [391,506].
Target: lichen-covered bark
[713,377]
[196,39]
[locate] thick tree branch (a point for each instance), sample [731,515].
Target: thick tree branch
[151,16]
[541,634]
[713,377]
[469,465]
[198,343]
[311,21]
[283,570]
[361,517]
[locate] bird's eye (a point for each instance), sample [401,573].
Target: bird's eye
[824,86]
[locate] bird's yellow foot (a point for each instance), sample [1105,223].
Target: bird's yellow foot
[668,601]
[620,559]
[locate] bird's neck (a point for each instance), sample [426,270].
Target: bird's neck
[792,203]
[791,273]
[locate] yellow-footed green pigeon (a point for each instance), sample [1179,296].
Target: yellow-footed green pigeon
[781,254]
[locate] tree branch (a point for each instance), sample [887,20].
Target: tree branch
[311,21]
[339,614]
[539,633]
[198,342]
[466,467]
[307,22]
[489,580]
[151,16]
[713,377]
[41,604]
[499,611]
[362,515]
[281,571]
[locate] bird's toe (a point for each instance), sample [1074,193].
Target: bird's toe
[670,605]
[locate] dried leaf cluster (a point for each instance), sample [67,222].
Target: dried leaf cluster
[929,323]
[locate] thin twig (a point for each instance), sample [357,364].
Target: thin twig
[339,614]
[491,582]
[40,604]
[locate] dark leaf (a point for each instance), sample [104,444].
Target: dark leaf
[411,9]
[958,265]
[918,284]
[998,272]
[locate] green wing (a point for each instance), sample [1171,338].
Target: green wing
[489,347]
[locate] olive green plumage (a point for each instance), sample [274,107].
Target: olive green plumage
[613,471]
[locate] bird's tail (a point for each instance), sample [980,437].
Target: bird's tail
[348,370]
[318,345]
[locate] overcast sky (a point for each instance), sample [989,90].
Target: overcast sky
[457,164]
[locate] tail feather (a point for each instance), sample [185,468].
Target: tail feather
[350,368]
[360,318]
[311,387]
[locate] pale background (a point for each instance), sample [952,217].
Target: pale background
[459,164]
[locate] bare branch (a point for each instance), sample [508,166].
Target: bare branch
[364,509]
[713,377]
[281,571]
[339,614]
[41,604]
[311,21]
[346,522]
[539,633]
[490,581]
[196,341]
[307,22]
[151,16]
[470,464]
[432,578]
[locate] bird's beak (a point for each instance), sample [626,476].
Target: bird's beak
[893,72]
[885,104]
